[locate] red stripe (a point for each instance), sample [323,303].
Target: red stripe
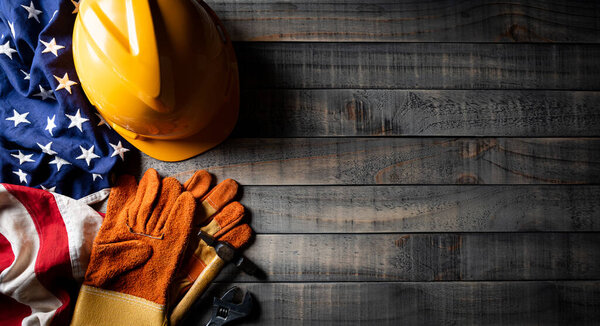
[6,254]
[53,265]
[11,311]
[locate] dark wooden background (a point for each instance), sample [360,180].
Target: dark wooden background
[416,162]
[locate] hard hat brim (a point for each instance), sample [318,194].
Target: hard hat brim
[173,150]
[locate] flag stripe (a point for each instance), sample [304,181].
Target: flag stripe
[18,280]
[12,312]
[82,223]
[53,264]
[6,254]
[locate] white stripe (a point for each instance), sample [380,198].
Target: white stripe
[82,224]
[95,197]
[18,281]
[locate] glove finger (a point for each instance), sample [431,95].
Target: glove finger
[198,184]
[120,194]
[179,219]
[169,192]
[218,197]
[141,206]
[225,219]
[239,236]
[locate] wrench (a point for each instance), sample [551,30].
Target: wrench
[225,310]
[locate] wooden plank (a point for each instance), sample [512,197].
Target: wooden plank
[410,21]
[347,161]
[381,209]
[423,257]
[442,303]
[372,209]
[419,65]
[345,112]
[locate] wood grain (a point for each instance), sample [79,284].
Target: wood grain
[358,112]
[443,303]
[398,167]
[372,209]
[419,65]
[424,257]
[348,161]
[409,21]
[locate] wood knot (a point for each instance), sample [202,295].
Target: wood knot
[466,178]
[400,242]
[518,33]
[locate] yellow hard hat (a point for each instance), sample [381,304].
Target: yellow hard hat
[162,73]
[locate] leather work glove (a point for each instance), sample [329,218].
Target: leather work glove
[220,217]
[134,257]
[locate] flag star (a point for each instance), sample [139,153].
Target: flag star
[22,175]
[96,175]
[52,47]
[6,49]
[23,158]
[47,149]
[45,94]
[87,154]
[12,28]
[64,82]
[119,150]
[59,162]
[76,120]
[53,189]
[76,4]
[33,13]
[27,76]
[19,118]
[102,121]
[50,124]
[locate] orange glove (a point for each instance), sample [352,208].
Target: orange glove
[219,217]
[136,253]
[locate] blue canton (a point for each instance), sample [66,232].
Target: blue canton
[50,135]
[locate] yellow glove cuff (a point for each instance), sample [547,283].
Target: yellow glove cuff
[99,307]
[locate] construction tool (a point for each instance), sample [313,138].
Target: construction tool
[228,253]
[226,310]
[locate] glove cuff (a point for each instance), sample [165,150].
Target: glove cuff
[101,307]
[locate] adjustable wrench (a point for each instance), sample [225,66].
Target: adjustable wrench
[226,310]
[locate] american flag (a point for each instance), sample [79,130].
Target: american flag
[45,244]
[50,135]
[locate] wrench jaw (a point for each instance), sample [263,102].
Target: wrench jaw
[225,309]
[232,295]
